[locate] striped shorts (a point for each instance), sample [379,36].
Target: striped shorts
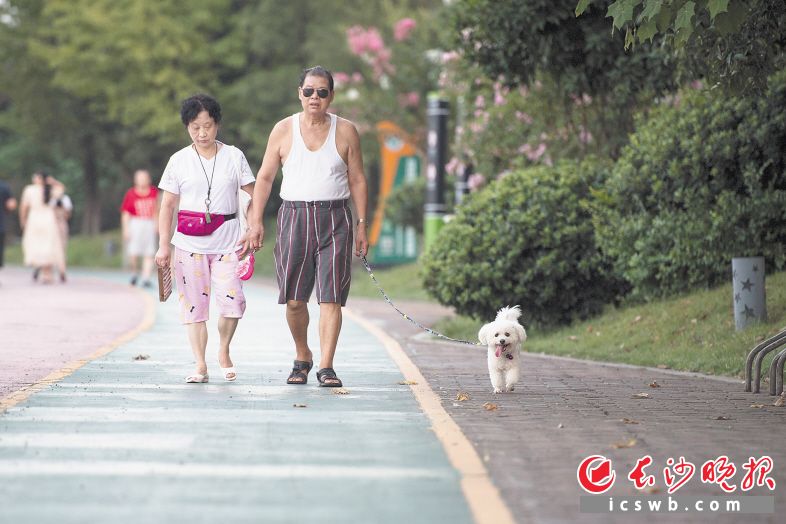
[314,247]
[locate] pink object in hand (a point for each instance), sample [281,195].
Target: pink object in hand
[245,267]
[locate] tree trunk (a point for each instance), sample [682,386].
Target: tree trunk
[91,218]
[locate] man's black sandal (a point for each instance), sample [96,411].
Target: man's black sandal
[327,378]
[299,375]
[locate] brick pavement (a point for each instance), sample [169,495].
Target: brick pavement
[564,410]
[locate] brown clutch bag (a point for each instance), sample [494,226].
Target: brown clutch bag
[164,283]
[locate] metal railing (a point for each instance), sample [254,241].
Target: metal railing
[756,357]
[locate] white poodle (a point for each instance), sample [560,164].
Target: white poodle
[504,338]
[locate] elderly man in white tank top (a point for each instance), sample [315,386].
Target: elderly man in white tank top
[323,170]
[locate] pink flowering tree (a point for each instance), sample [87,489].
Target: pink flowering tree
[389,73]
[501,128]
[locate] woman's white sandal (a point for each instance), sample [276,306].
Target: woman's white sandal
[197,378]
[229,371]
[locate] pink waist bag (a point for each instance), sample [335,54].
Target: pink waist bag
[193,223]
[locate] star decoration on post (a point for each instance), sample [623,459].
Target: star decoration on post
[748,312]
[737,297]
[755,268]
[747,285]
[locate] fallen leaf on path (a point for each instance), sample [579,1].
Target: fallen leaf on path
[560,426]
[407,383]
[490,406]
[722,417]
[341,391]
[589,329]
[574,338]
[637,319]
[641,395]
[757,406]
[627,420]
[654,384]
[781,401]
[694,321]
[663,366]
[299,405]
[627,444]
[141,357]
[462,396]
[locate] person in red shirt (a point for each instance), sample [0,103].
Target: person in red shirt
[139,217]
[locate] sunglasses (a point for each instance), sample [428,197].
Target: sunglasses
[308,91]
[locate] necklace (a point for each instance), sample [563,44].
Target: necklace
[209,181]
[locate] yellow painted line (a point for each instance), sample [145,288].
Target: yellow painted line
[483,498]
[147,322]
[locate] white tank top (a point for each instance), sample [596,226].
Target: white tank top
[314,175]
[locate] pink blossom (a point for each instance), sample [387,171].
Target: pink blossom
[476,181]
[477,126]
[532,154]
[357,77]
[500,93]
[374,41]
[450,56]
[696,84]
[524,117]
[585,137]
[403,28]
[480,102]
[454,167]
[411,99]
[340,78]
[356,38]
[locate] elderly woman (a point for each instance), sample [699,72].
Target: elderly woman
[201,181]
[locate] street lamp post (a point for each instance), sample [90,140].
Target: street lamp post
[437,112]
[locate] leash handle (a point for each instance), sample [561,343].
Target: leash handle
[407,317]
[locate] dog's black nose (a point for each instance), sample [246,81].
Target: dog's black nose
[502,341]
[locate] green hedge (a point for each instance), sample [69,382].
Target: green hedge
[526,239]
[701,182]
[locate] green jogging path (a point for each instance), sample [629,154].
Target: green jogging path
[121,438]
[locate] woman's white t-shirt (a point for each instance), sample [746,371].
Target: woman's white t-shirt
[184,176]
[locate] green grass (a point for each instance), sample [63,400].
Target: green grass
[103,250]
[399,282]
[694,332]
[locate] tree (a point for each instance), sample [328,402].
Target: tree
[734,43]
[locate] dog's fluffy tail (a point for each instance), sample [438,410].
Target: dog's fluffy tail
[509,313]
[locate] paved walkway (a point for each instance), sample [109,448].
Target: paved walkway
[565,410]
[125,440]
[45,327]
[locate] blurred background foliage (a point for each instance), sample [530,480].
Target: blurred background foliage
[667,99]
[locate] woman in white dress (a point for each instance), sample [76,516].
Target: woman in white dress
[41,240]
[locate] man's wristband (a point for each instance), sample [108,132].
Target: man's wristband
[361,221]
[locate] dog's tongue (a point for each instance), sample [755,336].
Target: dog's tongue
[499,349]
